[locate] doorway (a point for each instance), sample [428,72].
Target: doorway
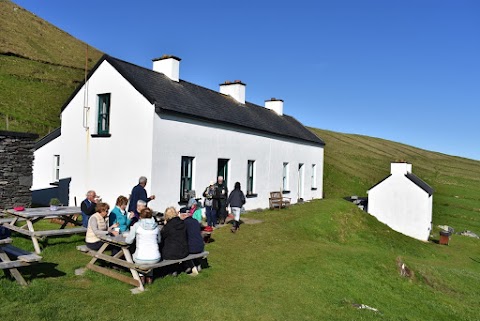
[222,169]
[301,179]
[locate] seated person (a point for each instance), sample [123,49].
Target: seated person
[119,214]
[135,215]
[147,234]
[194,234]
[174,243]
[97,226]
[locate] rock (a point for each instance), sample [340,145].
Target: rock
[469,234]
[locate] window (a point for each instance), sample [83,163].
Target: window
[314,176]
[103,114]
[186,178]
[250,176]
[56,168]
[222,169]
[285,186]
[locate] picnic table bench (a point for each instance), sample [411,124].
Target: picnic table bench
[127,262]
[33,215]
[277,200]
[20,258]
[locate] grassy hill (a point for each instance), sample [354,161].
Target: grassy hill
[40,66]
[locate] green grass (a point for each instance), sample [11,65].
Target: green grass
[40,66]
[309,262]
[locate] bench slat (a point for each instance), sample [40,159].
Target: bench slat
[6,241]
[146,267]
[18,229]
[67,231]
[12,264]
[21,254]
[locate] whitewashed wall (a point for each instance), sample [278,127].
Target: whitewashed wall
[403,206]
[109,165]
[43,164]
[176,137]
[142,143]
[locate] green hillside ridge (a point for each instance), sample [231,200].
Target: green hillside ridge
[40,66]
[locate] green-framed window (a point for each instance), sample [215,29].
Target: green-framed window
[103,114]
[250,176]
[285,175]
[222,169]
[186,177]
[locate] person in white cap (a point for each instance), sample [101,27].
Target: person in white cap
[210,206]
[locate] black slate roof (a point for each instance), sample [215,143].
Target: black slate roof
[47,138]
[414,179]
[190,100]
[420,183]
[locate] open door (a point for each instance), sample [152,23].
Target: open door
[301,180]
[222,169]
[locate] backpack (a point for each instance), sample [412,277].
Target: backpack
[4,233]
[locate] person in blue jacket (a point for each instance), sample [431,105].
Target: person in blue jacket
[88,207]
[119,215]
[139,193]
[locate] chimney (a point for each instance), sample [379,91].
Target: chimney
[235,89]
[168,65]
[276,105]
[400,168]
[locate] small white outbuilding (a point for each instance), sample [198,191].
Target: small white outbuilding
[403,201]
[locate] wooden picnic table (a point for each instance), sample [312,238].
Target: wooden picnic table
[124,258]
[33,215]
[20,258]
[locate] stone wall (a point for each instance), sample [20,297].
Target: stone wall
[16,159]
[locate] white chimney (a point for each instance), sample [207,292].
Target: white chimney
[234,89]
[276,105]
[168,65]
[400,168]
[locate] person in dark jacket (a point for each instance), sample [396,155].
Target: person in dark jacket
[194,235]
[139,193]
[210,205]
[174,244]
[236,200]
[88,207]
[221,195]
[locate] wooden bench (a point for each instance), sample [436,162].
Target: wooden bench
[277,200]
[20,258]
[128,263]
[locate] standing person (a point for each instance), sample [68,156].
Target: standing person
[147,234]
[236,200]
[210,205]
[119,214]
[88,207]
[97,226]
[221,195]
[139,193]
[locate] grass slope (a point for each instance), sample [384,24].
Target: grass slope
[40,66]
[309,262]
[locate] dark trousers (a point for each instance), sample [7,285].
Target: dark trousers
[85,218]
[95,246]
[211,214]
[222,213]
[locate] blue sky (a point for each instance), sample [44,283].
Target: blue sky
[403,70]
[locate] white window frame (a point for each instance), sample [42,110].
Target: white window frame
[56,168]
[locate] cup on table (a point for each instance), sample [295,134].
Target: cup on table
[116,229]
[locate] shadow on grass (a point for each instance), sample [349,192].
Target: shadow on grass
[42,270]
[474,260]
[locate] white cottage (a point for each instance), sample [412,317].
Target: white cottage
[403,201]
[127,121]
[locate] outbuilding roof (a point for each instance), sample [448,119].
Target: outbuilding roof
[190,100]
[414,179]
[420,183]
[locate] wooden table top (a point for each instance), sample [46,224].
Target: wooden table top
[117,240]
[45,211]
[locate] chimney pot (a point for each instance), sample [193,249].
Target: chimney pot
[235,89]
[168,65]
[275,105]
